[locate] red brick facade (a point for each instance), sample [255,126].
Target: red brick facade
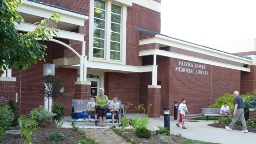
[199,90]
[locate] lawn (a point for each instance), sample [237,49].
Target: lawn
[205,118]
[195,142]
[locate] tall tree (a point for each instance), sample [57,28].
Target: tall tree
[20,50]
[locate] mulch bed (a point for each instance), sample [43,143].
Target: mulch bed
[235,127]
[154,139]
[41,136]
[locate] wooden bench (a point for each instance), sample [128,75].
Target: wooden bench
[211,112]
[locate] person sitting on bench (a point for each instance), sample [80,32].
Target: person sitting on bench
[224,110]
[91,108]
[114,109]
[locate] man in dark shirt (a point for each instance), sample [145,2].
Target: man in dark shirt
[238,113]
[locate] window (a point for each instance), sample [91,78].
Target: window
[99,29]
[115,32]
[107,39]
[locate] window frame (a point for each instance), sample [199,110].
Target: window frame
[107,39]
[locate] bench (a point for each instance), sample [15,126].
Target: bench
[211,112]
[79,111]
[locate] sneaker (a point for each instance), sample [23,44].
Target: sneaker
[184,128]
[227,128]
[177,125]
[244,131]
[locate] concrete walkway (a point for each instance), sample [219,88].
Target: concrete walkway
[195,130]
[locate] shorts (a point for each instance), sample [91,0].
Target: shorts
[91,112]
[115,112]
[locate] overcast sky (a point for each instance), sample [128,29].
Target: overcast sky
[209,21]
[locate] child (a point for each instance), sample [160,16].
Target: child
[114,108]
[182,110]
[91,108]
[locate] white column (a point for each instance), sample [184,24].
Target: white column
[81,68]
[154,72]
[9,73]
[4,74]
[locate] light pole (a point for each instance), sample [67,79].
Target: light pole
[48,70]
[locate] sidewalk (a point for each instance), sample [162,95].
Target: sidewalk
[196,130]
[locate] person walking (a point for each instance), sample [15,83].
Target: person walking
[238,113]
[182,110]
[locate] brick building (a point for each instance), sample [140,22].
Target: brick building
[116,44]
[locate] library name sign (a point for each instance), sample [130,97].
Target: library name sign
[192,68]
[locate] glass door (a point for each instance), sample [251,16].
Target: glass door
[94,86]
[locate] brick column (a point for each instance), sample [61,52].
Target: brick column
[252,113]
[82,90]
[154,100]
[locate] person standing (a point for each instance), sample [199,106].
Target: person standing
[102,106]
[182,111]
[238,113]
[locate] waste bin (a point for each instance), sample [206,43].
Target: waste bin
[175,110]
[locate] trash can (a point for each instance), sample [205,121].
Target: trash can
[175,110]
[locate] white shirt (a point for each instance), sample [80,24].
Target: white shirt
[224,108]
[183,108]
[114,105]
[91,104]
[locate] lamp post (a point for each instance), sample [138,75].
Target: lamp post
[48,70]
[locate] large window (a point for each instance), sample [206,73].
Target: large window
[107,30]
[99,29]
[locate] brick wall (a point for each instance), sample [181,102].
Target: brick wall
[201,90]
[31,81]
[125,86]
[139,17]
[248,83]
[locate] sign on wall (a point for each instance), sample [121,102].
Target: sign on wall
[192,68]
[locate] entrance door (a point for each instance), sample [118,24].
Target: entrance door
[94,86]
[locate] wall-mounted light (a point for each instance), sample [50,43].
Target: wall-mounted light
[49,69]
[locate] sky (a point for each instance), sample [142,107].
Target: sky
[209,22]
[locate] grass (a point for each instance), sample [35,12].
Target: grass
[205,118]
[196,142]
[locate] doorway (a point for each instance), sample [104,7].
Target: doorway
[95,83]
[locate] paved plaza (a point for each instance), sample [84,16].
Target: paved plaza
[196,130]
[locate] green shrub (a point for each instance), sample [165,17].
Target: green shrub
[1,134]
[56,136]
[248,99]
[226,98]
[143,132]
[59,111]
[40,115]
[6,117]
[27,127]
[163,131]
[14,108]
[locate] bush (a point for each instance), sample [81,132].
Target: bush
[56,136]
[40,115]
[6,117]
[13,108]
[226,98]
[59,110]
[163,131]
[1,134]
[143,132]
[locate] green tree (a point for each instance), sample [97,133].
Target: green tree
[20,50]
